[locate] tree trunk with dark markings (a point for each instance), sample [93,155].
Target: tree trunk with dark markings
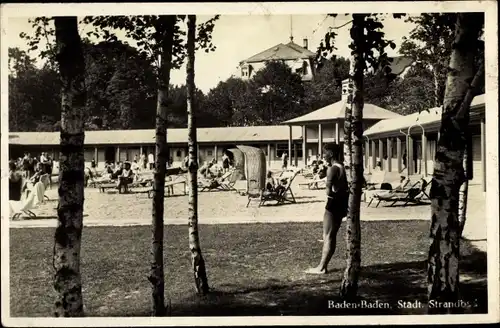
[157,276]
[68,234]
[354,161]
[444,251]
[198,263]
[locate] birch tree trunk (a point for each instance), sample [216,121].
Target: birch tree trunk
[349,286]
[198,263]
[68,234]
[463,195]
[444,251]
[437,88]
[157,276]
[348,125]
[476,84]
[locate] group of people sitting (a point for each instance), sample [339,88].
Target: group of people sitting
[211,169]
[319,169]
[31,166]
[122,173]
[276,185]
[20,180]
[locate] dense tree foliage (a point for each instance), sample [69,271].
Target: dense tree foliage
[430,45]
[34,93]
[327,85]
[121,84]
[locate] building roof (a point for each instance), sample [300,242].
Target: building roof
[336,111]
[281,51]
[174,136]
[423,118]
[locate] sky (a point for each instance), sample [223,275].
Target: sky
[238,37]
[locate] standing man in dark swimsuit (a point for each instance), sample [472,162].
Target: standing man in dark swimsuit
[336,206]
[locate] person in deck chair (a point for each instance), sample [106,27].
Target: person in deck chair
[39,171]
[336,205]
[270,182]
[15,182]
[126,177]
[320,174]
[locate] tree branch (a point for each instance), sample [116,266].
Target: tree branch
[49,44]
[472,92]
[339,27]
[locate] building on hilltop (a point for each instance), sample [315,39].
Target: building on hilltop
[299,59]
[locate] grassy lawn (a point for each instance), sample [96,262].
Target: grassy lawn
[253,269]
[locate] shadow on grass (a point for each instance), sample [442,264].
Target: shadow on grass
[251,268]
[407,205]
[40,217]
[306,197]
[385,283]
[51,200]
[33,218]
[274,203]
[383,290]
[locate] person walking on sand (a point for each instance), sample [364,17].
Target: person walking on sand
[336,205]
[151,161]
[225,162]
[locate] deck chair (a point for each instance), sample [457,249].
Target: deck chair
[145,185]
[314,184]
[423,196]
[140,186]
[408,195]
[44,180]
[25,206]
[205,184]
[376,179]
[169,190]
[227,181]
[285,197]
[111,184]
[254,191]
[396,185]
[98,182]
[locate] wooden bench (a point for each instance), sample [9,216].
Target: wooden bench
[167,188]
[103,186]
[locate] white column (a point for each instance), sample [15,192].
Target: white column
[389,154]
[304,145]
[215,152]
[269,156]
[374,157]
[424,154]
[409,154]
[337,133]
[381,153]
[367,155]
[290,139]
[483,153]
[117,157]
[95,156]
[320,140]
[296,154]
[399,154]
